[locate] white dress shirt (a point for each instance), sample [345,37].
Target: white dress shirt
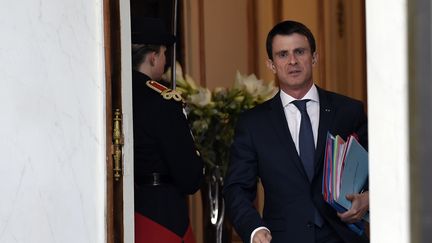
[293,117]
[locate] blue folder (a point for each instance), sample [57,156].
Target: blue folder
[355,173]
[352,158]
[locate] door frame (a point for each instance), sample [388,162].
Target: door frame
[119,192]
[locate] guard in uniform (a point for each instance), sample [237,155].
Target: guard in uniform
[167,166]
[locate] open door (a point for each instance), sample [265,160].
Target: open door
[117,42]
[119,154]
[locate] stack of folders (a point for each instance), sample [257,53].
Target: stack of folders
[345,172]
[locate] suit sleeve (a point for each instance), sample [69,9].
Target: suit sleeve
[361,127]
[240,183]
[362,132]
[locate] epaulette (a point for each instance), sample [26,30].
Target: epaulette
[166,92]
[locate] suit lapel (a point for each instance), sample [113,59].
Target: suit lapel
[278,119]
[327,112]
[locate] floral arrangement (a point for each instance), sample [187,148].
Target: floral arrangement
[213,114]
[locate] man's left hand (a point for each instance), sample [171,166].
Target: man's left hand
[359,207]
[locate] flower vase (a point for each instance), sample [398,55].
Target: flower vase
[216,227]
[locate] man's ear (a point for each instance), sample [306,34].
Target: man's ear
[271,66]
[315,58]
[151,58]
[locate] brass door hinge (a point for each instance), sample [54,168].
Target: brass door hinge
[117,144]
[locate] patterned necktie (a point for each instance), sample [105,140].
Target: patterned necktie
[306,139]
[307,148]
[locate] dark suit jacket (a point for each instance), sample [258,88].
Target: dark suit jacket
[263,148]
[163,144]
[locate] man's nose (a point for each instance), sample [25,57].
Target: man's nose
[292,59]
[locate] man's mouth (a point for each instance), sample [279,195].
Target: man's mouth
[294,72]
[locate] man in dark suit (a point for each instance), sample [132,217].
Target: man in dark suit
[271,142]
[167,166]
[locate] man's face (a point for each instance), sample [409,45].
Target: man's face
[292,63]
[159,64]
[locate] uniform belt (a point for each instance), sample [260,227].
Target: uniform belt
[153,179]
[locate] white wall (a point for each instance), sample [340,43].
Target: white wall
[52,129]
[387,68]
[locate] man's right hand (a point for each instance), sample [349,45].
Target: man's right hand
[262,236]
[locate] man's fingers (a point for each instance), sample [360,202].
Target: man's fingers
[268,237]
[349,197]
[262,236]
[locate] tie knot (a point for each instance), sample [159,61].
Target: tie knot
[300,104]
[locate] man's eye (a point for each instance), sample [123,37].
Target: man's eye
[300,51]
[283,54]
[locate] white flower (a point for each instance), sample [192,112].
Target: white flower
[190,82]
[268,91]
[202,98]
[255,87]
[219,90]
[179,73]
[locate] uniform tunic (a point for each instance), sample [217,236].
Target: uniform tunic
[162,144]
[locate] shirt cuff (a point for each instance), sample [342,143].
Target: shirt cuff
[259,228]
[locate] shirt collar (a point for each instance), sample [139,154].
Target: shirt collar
[312,94]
